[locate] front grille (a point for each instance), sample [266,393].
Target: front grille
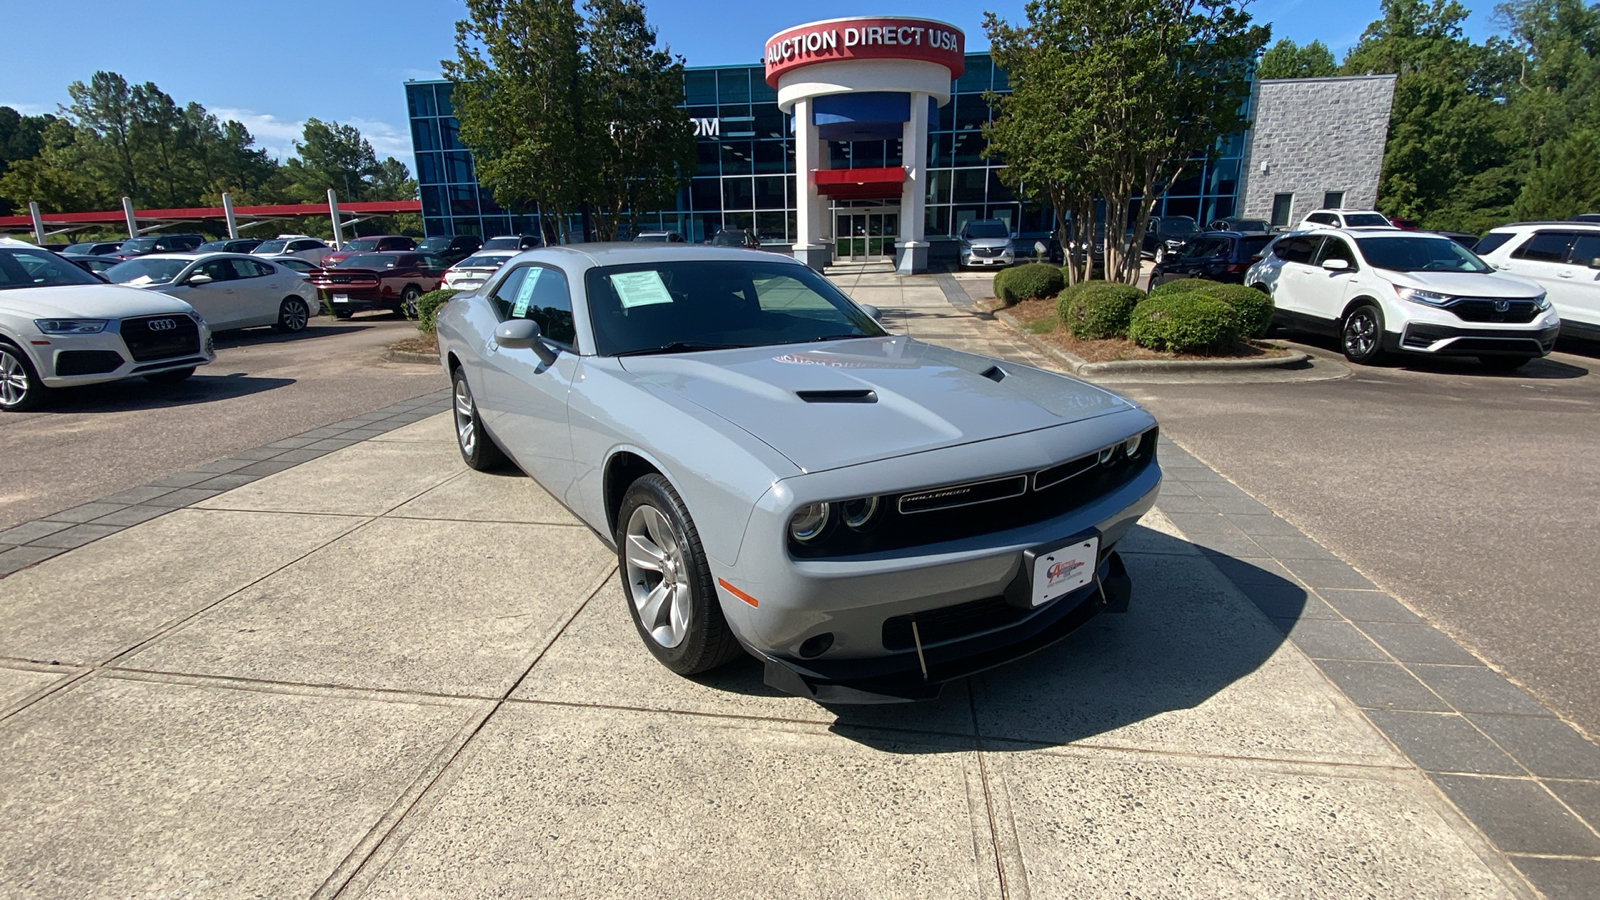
[1012,502]
[936,626]
[985,251]
[160,337]
[1474,309]
[1478,340]
[87,362]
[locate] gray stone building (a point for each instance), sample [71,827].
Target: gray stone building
[1315,142]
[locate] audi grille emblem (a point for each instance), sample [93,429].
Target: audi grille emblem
[1502,305]
[162,325]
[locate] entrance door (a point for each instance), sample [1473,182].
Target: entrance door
[861,234]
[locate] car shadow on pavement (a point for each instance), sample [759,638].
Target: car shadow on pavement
[256,336]
[136,393]
[1545,369]
[1191,633]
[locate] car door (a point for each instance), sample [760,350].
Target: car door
[1576,289]
[1290,292]
[524,400]
[1328,290]
[257,292]
[1541,257]
[214,300]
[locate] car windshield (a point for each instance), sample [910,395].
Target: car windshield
[266,247]
[503,243]
[1365,220]
[652,237]
[482,262]
[433,244]
[146,271]
[137,245]
[1420,254]
[666,307]
[728,239]
[23,267]
[1178,225]
[987,229]
[366,261]
[361,245]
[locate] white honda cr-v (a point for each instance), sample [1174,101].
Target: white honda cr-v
[1390,291]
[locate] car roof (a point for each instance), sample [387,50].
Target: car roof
[1546,224]
[191,256]
[625,253]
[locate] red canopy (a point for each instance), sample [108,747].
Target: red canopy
[860,184]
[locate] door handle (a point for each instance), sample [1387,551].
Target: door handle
[1565,274]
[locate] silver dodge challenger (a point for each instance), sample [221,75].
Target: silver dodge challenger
[869,515]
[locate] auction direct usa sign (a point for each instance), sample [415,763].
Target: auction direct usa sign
[865,38]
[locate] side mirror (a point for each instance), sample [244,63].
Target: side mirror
[877,314]
[198,278]
[1335,265]
[523,334]
[1595,263]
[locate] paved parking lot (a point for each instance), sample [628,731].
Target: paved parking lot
[372,672]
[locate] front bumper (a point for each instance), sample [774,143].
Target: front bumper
[1449,340]
[1002,258]
[64,360]
[347,300]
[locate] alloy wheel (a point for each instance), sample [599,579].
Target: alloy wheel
[14,381]
[658,576]
[1360,334]
[466,418]
[294,315]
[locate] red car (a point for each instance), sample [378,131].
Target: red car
[381,243]
[390,281]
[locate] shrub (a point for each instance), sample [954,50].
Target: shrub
[1252,308]
[1031,281]
[1092,310]
[1183,323]
[1001,278]
[428,306]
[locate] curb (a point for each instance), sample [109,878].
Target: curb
[411,356]
[1077,365]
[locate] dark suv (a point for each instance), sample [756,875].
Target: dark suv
[1214,256]
[453,248]
[159,243]
[1167,234]
[514,242]
[735,237]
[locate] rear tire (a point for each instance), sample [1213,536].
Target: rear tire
[478,449]
[1361,335]
[408,301]
[20,387]
[1504,363]
[293,314]
[171,376]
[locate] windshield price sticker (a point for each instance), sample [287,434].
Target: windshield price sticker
[640,288]
[525,292]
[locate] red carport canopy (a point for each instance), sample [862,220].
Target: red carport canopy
[860,184]
[205,213]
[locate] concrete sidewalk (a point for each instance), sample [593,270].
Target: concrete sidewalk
[379,674]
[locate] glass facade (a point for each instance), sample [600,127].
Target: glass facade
[744,174]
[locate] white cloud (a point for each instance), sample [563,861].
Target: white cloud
[277,136]
[29,109]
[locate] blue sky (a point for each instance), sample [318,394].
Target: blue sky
[272,65]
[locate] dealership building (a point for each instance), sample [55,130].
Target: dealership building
[862,138]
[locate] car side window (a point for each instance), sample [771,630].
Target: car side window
[1491,243]
[1334,248]
[1545,246]
[539,293]
[1585,249]
[302,245]
[1296,250]
[217,269]
[1322,219]
[434,262]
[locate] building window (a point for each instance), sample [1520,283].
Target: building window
[1333,200]
[1282,205]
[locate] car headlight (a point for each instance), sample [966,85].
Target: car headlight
[858,514]
[70,326]
[1542,301]
[1426,298]
[810,521]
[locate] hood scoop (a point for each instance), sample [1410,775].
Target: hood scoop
[854,396]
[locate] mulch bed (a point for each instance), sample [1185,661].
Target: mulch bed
[426,343]
[1039,317]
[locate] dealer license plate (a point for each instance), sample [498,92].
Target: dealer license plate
[341,298]
[1064,570]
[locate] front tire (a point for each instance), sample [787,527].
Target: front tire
[171,376]
[293,314]
[20,387]
[1361,335]
[667,580]
[478,449]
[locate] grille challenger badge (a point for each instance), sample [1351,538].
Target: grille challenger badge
[964,494]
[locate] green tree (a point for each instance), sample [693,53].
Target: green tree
[1286,59]
[517,96]
[1566,181]
[642,145]
[1156,84]
[21,138]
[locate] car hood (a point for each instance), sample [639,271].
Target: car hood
[1467,284]
[89,301]
[927,397]
[988,242]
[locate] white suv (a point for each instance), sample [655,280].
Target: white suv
[1383,291]
[1561,257]
[1344,218]
[308,248]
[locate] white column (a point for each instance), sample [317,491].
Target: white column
[38,224]
[810,206]
[911,251]
[129,217]
[333,214]
[227,213]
